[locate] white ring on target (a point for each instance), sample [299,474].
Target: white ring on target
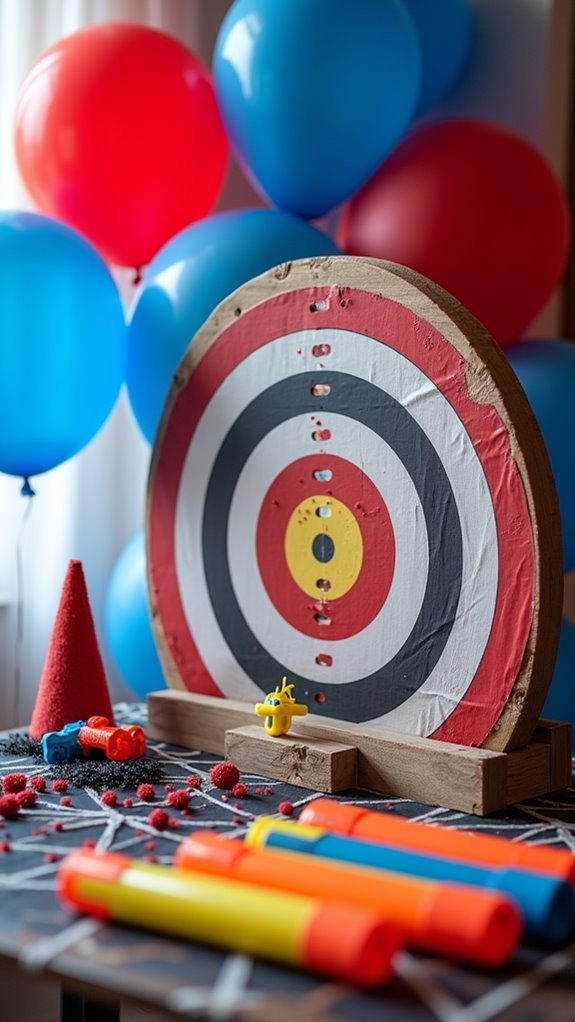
[371,360]
[363,653]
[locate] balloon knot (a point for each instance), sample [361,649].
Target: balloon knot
[26,489]
[137,275]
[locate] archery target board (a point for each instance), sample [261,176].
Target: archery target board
[348,488]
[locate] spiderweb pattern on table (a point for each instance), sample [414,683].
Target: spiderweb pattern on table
[218,986]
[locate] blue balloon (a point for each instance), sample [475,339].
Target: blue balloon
[192,274]
[560,702]
[445,31]
[546,371]
[316,93]
[128,623]
[62,343]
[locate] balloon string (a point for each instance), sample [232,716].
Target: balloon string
[29,493]
[26,488]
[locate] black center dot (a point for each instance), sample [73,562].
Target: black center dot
[323,547]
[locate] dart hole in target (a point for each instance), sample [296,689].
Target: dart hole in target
[320,306]
[320,389]
[323,511]
[320,697]
[324,660]
[322,619]
[323,475]
[321,434]
[324,584]
[320,350]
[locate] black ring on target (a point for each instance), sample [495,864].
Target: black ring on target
[403,675]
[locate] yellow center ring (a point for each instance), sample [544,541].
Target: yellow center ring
[316,517]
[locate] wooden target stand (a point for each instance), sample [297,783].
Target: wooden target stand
[349,488]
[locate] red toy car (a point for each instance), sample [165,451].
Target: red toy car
[126,742]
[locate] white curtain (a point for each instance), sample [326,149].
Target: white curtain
[89,507]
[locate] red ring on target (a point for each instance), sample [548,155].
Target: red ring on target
[350,613]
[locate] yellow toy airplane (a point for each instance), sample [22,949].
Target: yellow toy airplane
[278,708]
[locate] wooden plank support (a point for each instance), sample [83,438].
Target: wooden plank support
[195,721]
[557,735]
[311,763]
[471,780]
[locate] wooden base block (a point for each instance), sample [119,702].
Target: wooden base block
[471,780]
[314,763]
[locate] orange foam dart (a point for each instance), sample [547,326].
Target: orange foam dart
[484,849]
[73,684]
[346,942]
[480,926]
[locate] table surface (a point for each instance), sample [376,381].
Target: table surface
[189,980]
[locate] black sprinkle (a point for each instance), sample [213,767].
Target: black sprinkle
[103,774]
[21,745]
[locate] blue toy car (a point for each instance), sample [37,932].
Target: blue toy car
[63,746]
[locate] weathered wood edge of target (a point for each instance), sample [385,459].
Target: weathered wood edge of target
[470,780]
[489,375]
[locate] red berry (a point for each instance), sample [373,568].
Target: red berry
[59,826]
[168,787]
[179,799]
[27,799]
[240,789]
[146,792]
[224,775]
[65,800]
[89,843]
[60,785]
[159,819]
[50,857]
[4,846]
[38,783]
[258,791]
[268,791]
[110,798]
[194,781]
[128,803]
[9,806]
[14,782]
[286,808]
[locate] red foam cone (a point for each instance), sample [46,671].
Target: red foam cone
[73,684]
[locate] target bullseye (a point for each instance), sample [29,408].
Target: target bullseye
[329,500]
[339,528]
[357,540]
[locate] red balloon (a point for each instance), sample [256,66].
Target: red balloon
[118,134]
[477,210]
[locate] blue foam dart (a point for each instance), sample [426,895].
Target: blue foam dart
[547,904]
